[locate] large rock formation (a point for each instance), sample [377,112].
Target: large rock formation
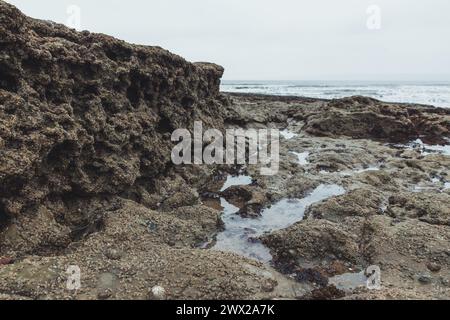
[85,115]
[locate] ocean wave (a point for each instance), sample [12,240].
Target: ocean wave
[437,94]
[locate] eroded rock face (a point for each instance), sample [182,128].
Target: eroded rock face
[85,115]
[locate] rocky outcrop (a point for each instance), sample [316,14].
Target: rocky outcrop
[354,117]
[85,116]
[362,117]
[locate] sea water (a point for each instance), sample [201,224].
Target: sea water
[240,234]
[430,93]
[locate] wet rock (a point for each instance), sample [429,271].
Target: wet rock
[313,241]
[336,268]
[327,293]
[250,200]
[183,227]
[315,276]
[332,159]
[444,281]
[425,278]
[434,267]
[358,241]
[85,123]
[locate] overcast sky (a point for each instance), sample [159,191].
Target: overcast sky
[279,39]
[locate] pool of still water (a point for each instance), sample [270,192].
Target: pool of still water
[240,234]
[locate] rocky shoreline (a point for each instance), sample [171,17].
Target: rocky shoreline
[86,179]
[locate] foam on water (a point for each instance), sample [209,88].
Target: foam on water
[436,94]
[240,233]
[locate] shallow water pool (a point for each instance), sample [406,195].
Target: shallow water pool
[240,234]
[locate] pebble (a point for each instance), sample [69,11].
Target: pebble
[152,227]
[445,281]
[268,286]
[425,278]
[158,293]
[113,254]
[104,294]
[433,267]
[171,243]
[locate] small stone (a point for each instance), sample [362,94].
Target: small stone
[113,254]
[253,240]
[425,278]
[171,243]
[6,260]
[104,294]
[158,293]
[152,227]
[445,281]
[268,285]
[433,267]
